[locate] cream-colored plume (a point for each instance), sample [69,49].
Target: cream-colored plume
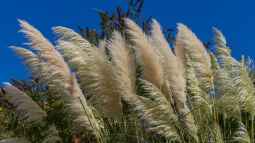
[45,49]
[147,57]
[223,52]
[67,34]
[155,112]
[124,64]
[188,43]
[31,60]
[173,73]
[236,73]
[96,73]
[62,82]
[29,112]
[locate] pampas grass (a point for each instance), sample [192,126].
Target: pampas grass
[133,87]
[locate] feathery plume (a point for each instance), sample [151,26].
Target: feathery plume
[147,107]
[200,102]
[225,101]
[29,113]
[173,73]
[27,110]
[188,43]
[67,34]
[96,74]
[64,84]
[152,70]
[237,73]
[45,49]
[124,64]
[30,59]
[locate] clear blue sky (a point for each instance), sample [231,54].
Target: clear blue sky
[236,18]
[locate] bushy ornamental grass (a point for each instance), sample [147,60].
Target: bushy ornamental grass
[131,88]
